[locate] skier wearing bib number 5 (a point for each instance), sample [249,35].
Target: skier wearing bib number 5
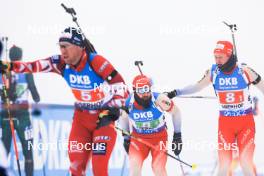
[88,75]
[146,115]
[236,123]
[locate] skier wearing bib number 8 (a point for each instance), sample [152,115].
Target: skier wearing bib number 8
[88,75]
[146,114]
[231,82]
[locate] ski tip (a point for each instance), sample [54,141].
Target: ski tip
[194,166]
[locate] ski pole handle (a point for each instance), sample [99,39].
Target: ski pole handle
[233,28]
[69,10]
[87,43]
[138,64]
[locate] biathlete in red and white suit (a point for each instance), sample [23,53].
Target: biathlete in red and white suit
[236,127]
[146,116]
[85,72]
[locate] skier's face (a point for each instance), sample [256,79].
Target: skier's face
[70,53]
[221,58]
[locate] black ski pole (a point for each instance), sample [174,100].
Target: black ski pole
[5,39]
[138,64]
[1,48]
[233,29]
[198,96]
[72,12]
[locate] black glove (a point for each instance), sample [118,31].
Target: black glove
[171,94]
[177,143]
[107,116]
[126,143]
[3,171]
[5,67]
[36,112]
[113,113]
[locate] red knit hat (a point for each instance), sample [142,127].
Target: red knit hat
[224,47]
[141,81]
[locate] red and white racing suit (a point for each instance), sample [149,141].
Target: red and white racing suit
[236,127]
[85,139]
[148,125]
